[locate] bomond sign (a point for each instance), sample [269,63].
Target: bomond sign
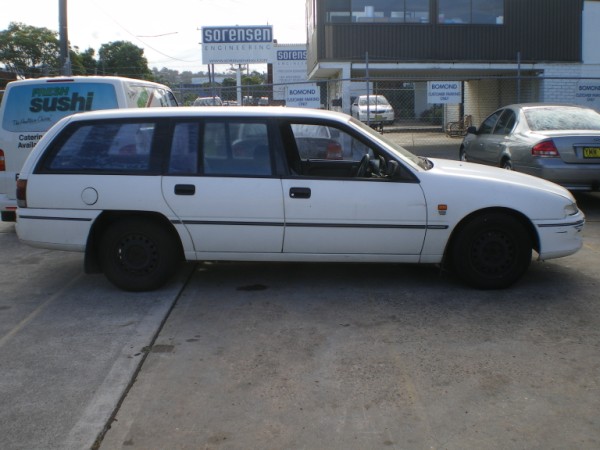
[448,92]
[236,44]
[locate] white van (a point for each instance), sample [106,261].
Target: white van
[30,107]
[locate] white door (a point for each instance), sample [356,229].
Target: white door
[332,207]
[223,214]
[353,217]
[234,205]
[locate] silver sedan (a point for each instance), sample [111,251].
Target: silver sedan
[560,143]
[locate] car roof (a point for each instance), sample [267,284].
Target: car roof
[543,105]
[82,79]
[212,111]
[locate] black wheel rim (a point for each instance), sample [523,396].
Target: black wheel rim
[493,253]
[137,254]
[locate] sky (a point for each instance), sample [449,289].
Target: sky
[169,33]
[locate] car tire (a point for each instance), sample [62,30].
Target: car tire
[491,251]
[139,254]
[462,154]
[506,164]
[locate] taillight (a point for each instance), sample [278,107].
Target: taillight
[22,193]
[545,149]
[2,162]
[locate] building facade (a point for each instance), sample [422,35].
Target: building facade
[500,51]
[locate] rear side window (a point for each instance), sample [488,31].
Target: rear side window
[488,124]
[36,107]
[103,147]
[236,148]
[220,148]
[506,122]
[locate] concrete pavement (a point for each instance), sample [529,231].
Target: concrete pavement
[272,356]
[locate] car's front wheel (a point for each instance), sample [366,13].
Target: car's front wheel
[491,251]
[139,254]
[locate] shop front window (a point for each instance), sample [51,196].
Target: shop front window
[487,12]
[378,11]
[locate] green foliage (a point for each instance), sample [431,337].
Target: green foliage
[124,59]
[33,52]
[29,51]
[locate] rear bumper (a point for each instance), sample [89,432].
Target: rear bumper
[8,208]
[574,177]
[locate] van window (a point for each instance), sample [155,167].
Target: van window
[103,147]
[36,107]
[141,96]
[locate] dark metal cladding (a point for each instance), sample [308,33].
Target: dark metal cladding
[541,30]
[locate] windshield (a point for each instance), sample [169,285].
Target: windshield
[562,118]
[421,162]
[373,100]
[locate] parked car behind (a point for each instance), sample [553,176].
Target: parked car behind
[374,109]
[560,143]
[30,107]
[208,101]
[140,191]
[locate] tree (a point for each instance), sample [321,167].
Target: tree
[29,51]
[123,58]
[83,63]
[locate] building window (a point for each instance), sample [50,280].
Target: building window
[487,12]
[378,11]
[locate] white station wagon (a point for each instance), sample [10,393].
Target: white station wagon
[141,191]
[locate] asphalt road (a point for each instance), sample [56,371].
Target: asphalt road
[299,356]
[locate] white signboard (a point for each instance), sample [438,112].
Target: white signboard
[304,96]
[289,66]
[237,45]
[588,93]
[449,92]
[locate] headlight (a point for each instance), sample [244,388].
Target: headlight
[571,210]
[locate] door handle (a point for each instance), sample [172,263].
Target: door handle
[299,192]
[185,189]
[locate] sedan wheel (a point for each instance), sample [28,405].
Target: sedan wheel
[462,155]
[491,251]
[507,164]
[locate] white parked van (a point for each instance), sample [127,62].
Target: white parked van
[30,107]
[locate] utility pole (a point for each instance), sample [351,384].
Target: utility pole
[65,60]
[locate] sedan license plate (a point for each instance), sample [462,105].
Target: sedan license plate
[591,152]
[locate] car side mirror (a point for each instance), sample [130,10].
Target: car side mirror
[472,130]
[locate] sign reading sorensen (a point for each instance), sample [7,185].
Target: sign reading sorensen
[289,67]
[237,45]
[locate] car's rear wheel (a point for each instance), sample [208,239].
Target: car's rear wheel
[139,254]
[506,164]
[491,251]
[462,155]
